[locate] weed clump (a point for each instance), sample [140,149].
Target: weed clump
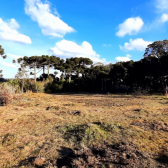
[93,133]
[7,94]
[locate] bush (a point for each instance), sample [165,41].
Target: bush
[50,78]
[7,93]
[61,86]
[34,87]
[52,87]
[15,83]
[39,86]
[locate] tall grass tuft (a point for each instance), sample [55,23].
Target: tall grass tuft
[7,93]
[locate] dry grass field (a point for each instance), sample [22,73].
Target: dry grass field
[46,130]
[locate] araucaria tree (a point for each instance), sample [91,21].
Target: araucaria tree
[49,62]
[30,62]
[3,56]
[38,62]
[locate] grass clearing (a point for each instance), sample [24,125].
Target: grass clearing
[42,124]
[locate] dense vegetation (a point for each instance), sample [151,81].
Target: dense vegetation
[81,75]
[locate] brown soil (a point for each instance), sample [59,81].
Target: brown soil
[115,156]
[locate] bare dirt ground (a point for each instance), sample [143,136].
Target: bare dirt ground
[84,130]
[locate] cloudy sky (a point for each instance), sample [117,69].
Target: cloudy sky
[104,31]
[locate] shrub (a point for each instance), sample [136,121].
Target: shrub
[50,78]
[35,87]
[40,86]
[15,83]
[61,86]
[7,93]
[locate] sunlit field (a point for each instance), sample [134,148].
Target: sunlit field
[41,129]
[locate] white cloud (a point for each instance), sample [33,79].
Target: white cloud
[49,23]
[107,45]
[162,5]
[14,56]
[123,59]
[137,44]
[68,49]
[56,13]
[128,55]
[8,31]
[164,17]
[9,64]
[130,26]
[13,24]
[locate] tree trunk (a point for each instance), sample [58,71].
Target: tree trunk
[35,74]
[48,69]
[78,74]
[43,73]
[43,69]
[69,80]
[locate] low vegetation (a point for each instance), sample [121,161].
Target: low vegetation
[8,93]
[48,130]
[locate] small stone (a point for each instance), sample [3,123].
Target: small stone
[47,108]
[124,155]
[39,161]
[76,112]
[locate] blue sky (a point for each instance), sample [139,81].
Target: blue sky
[104,31]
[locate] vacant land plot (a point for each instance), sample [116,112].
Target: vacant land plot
[45,130]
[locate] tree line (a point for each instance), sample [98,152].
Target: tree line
[80,74]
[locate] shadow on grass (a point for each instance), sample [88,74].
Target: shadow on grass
[118,155]
[67,156]
[28,162]
[163,159]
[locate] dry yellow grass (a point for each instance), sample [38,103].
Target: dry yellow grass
[27,129]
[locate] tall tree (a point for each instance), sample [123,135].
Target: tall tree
[39,62]
[3,56]
[157,49]
[30,62]
[78,65]
[50,62]
[158,69]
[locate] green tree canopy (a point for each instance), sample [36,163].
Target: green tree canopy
[30,62]
[78,65]
[39,62]
[50,62]
[157,49]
